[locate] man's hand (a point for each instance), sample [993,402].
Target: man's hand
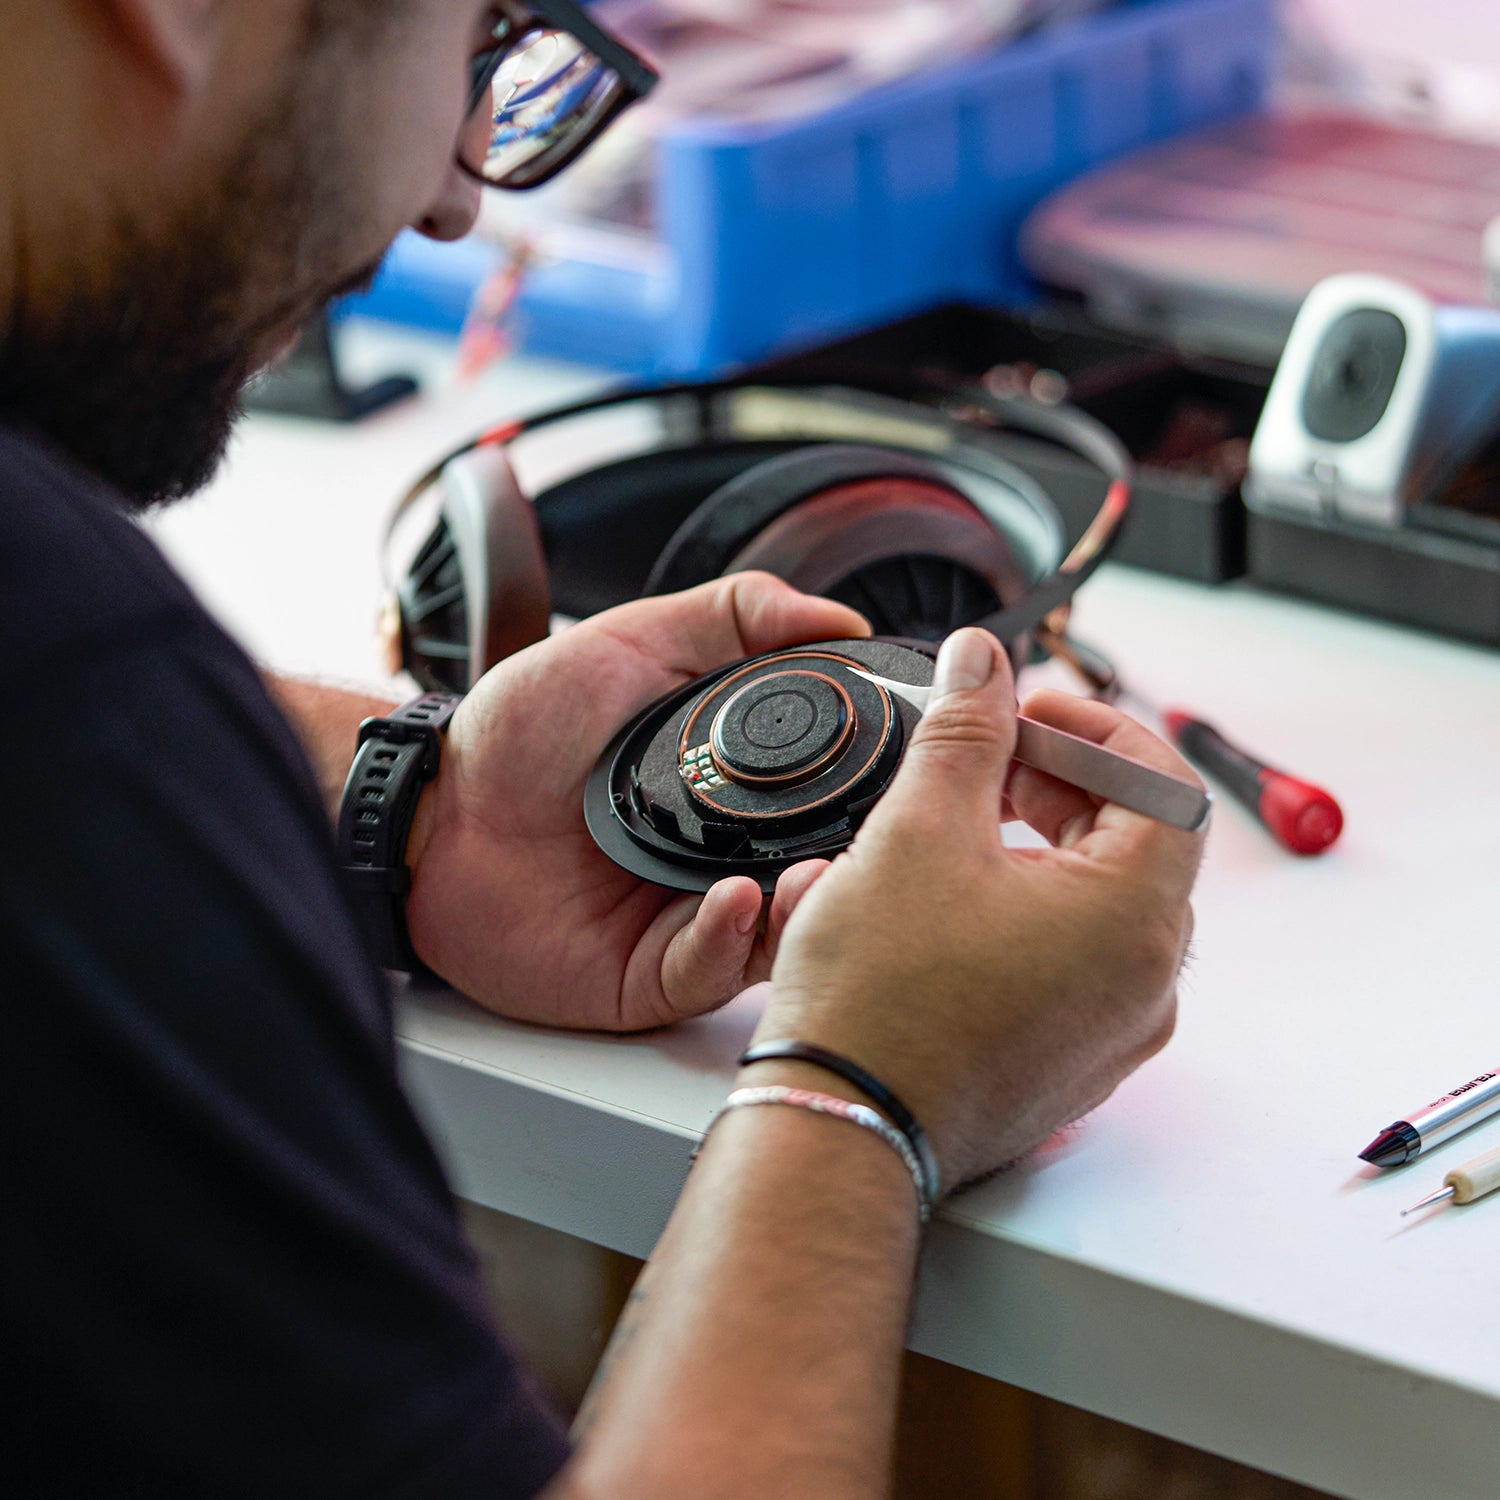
[511,900]
[1000,992]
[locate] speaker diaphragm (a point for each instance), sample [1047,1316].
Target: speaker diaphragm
[755,766]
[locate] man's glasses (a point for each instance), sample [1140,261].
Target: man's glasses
[552,81]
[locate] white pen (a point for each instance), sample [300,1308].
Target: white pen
[1427,1127]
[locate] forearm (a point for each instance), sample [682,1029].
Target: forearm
[327,720]
[760,1353]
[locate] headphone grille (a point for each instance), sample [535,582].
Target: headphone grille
[435,616]
[920,597]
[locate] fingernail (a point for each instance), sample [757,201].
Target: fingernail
[1073,830]
[966,660]
[745,922]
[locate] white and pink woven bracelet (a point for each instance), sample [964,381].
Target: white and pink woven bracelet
[842,1109]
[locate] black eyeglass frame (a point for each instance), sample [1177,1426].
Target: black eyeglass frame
[636,79]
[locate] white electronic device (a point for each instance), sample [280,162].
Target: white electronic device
[1379,399]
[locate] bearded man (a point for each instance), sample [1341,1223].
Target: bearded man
[232,1264]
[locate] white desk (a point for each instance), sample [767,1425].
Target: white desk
[1203,1257]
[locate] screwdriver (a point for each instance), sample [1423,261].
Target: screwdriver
[1298,815]
[1466,1183]
[1301,817]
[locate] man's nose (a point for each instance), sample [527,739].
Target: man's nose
[454,210]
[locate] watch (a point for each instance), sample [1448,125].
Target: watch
[396,757]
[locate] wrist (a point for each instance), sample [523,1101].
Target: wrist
[884,1103]
[423,828]
[799,1075]
[912,1060]
[397,759]
[423,824]
[326,717]
[831,1155]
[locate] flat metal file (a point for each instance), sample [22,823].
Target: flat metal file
[1117,778]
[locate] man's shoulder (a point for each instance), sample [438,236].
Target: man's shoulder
[75,572]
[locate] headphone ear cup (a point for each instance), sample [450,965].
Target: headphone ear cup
[604,528]
[477,591]
[888,533]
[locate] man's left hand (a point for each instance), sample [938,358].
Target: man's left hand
[512,902]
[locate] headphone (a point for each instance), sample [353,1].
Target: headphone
[899,497]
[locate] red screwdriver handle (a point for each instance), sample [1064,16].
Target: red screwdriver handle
[1301,817]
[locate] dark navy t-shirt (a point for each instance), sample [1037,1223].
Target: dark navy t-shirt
[231,1263]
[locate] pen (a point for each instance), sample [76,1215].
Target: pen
[1445,1117]
[1466,1183]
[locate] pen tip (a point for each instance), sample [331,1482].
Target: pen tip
[1393,1146]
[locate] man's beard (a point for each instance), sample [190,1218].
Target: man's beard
[138,377]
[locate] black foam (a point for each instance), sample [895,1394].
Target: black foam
[603,529]
[709,538]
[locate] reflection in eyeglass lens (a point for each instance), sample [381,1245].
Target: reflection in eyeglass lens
[548,83]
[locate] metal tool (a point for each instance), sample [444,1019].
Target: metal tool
[1117,778]
[1466,1183]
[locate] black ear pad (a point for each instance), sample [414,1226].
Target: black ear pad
[703,545]
[887,532]
[604,528]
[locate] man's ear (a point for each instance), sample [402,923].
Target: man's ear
[173,39]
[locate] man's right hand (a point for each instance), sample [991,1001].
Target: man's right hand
[1000,992]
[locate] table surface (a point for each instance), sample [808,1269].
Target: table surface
[1203,1256]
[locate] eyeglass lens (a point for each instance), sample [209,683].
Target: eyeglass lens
[540,105]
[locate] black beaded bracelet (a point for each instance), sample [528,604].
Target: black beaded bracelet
[833,1062]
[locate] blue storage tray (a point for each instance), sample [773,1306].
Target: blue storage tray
[782,236]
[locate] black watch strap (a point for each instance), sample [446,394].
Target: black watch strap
[396,757]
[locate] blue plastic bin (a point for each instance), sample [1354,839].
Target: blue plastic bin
[792,234]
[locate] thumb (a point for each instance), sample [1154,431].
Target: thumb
[958,756]
[742,614]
